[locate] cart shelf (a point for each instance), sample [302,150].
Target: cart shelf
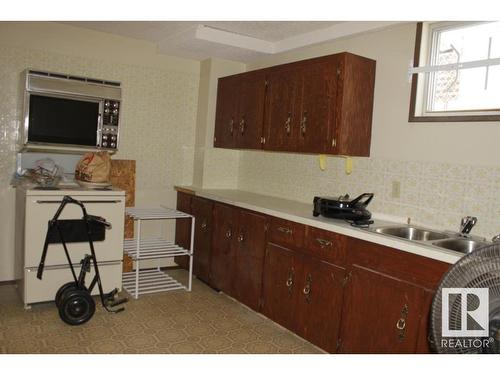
[145,281]
[153,248]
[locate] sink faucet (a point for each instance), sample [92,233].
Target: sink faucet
[496,238]
[467,224]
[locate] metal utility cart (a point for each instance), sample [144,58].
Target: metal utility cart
[153,280]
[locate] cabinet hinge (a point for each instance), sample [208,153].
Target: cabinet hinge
[334,142]
[339,344]
[263,140]
[215,140]
[338,71]
[266,227]
[266,83]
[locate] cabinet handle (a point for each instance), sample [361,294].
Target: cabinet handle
[289,281]
[401,323]
[91,201]
[241,238]
[303,124]
[307,288]
[229,234]
[288,128]
[242,125]
[285,230]
[324,243]
[204,225]
[231,126]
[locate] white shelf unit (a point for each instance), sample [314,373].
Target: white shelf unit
[145,281]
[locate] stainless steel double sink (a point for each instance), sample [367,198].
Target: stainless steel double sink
[447,240]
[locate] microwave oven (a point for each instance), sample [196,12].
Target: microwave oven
[68,112]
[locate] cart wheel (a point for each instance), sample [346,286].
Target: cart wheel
[76,307]
[60,292]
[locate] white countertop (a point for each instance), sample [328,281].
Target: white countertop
[302,213]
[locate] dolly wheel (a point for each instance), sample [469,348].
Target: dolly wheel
[76,307]
[62,290]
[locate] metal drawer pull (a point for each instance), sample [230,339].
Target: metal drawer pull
[307,288]
[324,243]
[288,128]
[303,124]
[401,323]
[242,125]
[285,230]
[204,225]
[289,281]
[229,234]
[59,202]
[241,238]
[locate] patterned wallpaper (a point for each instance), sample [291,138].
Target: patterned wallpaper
[157,128]
[433,194]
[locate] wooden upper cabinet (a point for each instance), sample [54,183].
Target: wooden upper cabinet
[251,95]
[282,110]
[226,115]
[321,105]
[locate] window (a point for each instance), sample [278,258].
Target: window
[456,74]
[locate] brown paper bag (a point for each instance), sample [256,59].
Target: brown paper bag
[94,167]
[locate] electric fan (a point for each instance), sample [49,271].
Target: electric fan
[479,269]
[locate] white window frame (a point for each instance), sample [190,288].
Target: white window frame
[425,55]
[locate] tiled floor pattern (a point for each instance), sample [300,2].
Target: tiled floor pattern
[202,321]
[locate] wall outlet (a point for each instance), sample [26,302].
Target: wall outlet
[396,189]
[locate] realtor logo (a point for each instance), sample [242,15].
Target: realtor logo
[468,309]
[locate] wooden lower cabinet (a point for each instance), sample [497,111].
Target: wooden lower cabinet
[223,256]
[382,314]
[250,248]
[304,295]
[202,210]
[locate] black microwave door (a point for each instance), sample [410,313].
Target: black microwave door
[62,121]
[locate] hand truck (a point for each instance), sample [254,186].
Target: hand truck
[73,299]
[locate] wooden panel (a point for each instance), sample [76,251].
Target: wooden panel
[286,233]
[423,342]
[250,258]
[280,279]
[202,211]
[282,110]
[402,265]
[319,309]
[325,245]
[374,305]
[354,106]
[183,228]
[222,264]
[226,114]
[317,103]
[251,95]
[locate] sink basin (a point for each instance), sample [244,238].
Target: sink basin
[463,245]
[412,233]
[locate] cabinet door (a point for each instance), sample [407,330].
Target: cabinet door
[251,93]
[226,113]
[183,228]
[381,314]
[202,211]
[319,306]
[280,282]
[222,264]
[250,258]
[318,95]
[282,114]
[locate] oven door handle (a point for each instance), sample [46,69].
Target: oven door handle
[89,201]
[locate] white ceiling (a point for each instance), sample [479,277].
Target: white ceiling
[233,40]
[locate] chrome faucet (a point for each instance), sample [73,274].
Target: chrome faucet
[496,238]
[467,224]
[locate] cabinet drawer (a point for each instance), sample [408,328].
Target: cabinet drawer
[325,245]
[36,290]
[41,209]
[286,233]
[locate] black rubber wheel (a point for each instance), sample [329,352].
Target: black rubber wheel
[62,290]
[76,307]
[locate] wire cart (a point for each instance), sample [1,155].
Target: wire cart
[153,280]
